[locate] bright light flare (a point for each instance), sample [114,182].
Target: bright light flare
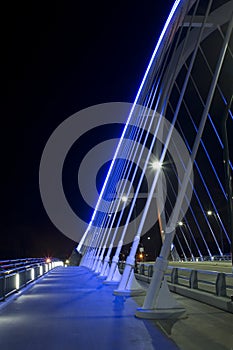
[156,165]
[124,198]
[162,35]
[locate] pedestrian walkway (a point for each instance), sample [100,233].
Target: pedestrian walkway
[70,308]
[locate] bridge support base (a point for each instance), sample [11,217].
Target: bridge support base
[105,271]
[133,288]
[161,314]
[115,279]
[164,307]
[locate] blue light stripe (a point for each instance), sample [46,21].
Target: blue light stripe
[135,102]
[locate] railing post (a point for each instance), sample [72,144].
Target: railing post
[150,270]
[174,276]
[221,285]
[2,287]
[193,281]
[24,272]
[142,269]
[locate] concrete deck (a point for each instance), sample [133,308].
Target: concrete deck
[70,308]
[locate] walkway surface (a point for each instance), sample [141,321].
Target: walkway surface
[70,308]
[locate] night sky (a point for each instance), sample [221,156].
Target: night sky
[61,58]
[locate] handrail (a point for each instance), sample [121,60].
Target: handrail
[18,273]
[17,262]
[214,282]
[207,272]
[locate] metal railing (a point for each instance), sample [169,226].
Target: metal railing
[214,282]
[17,274]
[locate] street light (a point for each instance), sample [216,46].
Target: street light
[182,225]
[124,198]
[212,213]
[156,165]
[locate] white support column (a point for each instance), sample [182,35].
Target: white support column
[159,302]
[105,269]
[128,285]
[114,275]
[152,307]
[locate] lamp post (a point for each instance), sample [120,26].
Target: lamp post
[181,224]
[141,253]
[213,214]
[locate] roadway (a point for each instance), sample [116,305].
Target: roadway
[219,266]
[70,308]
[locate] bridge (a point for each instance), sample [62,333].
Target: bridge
[170,183]
[166,180]
[70,307]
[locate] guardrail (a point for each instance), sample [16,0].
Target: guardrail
[212,287]
[217,283]
[17,274]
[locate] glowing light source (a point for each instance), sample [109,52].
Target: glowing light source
[176,4]
[180,223]
[124,198]
[17,281]
[209,212]
[156,165]
[48,260]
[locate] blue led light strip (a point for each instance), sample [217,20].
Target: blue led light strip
[134,130]
[135,102]
[135,133]
[139,133]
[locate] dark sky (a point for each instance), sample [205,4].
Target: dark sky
[61,58]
